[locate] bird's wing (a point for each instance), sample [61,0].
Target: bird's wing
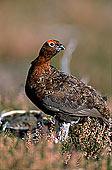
[66,108]
[68,95]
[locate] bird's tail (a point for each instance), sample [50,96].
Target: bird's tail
[107,122]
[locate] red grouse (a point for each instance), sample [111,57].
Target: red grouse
[60,94]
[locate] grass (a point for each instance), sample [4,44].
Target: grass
[88,146]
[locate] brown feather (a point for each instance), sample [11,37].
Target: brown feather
[60,94]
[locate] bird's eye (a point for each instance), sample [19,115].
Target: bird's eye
[51,44]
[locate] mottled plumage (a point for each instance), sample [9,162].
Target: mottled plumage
[60,94]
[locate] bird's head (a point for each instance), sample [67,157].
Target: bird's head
[51,48]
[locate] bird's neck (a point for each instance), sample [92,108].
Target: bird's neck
[42,60]
[40,65]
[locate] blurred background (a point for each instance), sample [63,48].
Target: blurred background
[26,25]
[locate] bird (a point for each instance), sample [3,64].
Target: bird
[60,94]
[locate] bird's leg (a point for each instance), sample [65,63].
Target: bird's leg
[75,122]
[42,123]
[65,130]
[58,131]
[63,134]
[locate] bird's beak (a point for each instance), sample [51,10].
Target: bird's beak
[62,47]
